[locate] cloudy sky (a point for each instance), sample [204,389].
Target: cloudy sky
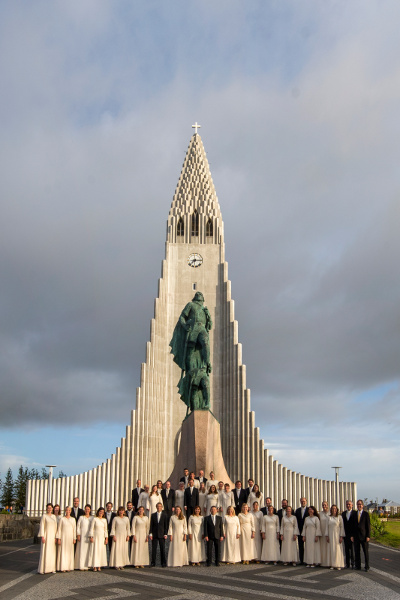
[299,104]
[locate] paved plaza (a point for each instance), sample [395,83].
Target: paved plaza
[19,580]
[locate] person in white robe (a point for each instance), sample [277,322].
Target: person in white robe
[258,522]
[247,533]
[270,533]
[225,500]
[154,499]
[323,519]
[255,496]
[140,542]
[335,535]
[120,533]
[47,533]
[83,554]
[211,481]
[311,535]
[180,497]
[66,538]
[144,500]
[98,534]
[196,548]
[177,532]
[230,551]
[202,497]
[211,499]
[288,533]
[58,516]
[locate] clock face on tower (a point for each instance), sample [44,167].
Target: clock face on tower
[195,260]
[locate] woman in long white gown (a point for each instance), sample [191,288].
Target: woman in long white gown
[196,549]
[311,535]
[120,532]
[144,500]
[98,534]
[225,500]
[231,545]
[247,533]
[211,481]
[270,533]
[323,519]
[334,536]
[47,533]
[211,499]
[289,532]
[177,532]
[83,554]
[66,538]
[180,497]
[258,522]
[154,499]
[202,497]
[140,543]
[255,496]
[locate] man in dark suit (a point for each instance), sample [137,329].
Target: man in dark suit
[185,477]
[268,503]
[136,493]
[213,535]
[77,512]
[158,534]
[191,498]
[110,516]
[168,498]
[249,489]
[301,513]
[348,517]
[282,511]
[361,535]
[239,496]
[130,514]
[201,478]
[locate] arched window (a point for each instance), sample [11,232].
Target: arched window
[180,229]
[195,223]
[209,228]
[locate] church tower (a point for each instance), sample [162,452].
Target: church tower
[194,260]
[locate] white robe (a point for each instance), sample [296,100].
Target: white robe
[177,554]
[335,531]
[145,502]
[253,498]
[247,547]
[48,555]
[140,548]
[120,528]
[270,527]
[84,549]
[99,532]
[230,551]
[225,500]
[180,500]
[211,500]
[258,541]
[324,518]
[211,482]
[289,550]
[202,501]
[196,549]
[154,499]
[66,532]
[312,548]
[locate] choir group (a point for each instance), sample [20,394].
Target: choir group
[201,520]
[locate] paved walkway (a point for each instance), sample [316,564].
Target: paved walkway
[19,580]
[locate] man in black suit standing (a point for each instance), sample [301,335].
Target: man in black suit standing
[185,477]
[158,534]
[136,493]
[239,496]
[130,514]
[268,503]
[191,498]
[213,535]
[110,516]
[348,517]
[301,513]
[168,498]
[201,478]
[282,511]
[249,489]
[361,535]
[77,512]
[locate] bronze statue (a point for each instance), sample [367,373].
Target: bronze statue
[190,346]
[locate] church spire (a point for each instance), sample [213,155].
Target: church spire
[195,215]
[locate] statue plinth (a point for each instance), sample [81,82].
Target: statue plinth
[200,448]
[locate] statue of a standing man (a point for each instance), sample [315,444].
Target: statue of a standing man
[190,346]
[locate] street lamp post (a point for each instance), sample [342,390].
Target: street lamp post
[50,482]
[337,484]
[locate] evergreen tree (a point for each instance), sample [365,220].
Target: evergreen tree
[33,474]
[7,490]
[61,473]
[20,486]
[45,474]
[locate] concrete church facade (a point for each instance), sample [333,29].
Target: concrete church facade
[194,261]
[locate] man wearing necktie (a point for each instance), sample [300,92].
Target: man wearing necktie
[191,498]
[168,498]
[348,517]
[361,535]
[213,535]
[301,513]
[158,534]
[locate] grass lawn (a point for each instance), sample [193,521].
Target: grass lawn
[391,537]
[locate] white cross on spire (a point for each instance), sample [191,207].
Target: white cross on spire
[196,126]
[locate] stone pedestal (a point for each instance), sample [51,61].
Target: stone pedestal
[200,448]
